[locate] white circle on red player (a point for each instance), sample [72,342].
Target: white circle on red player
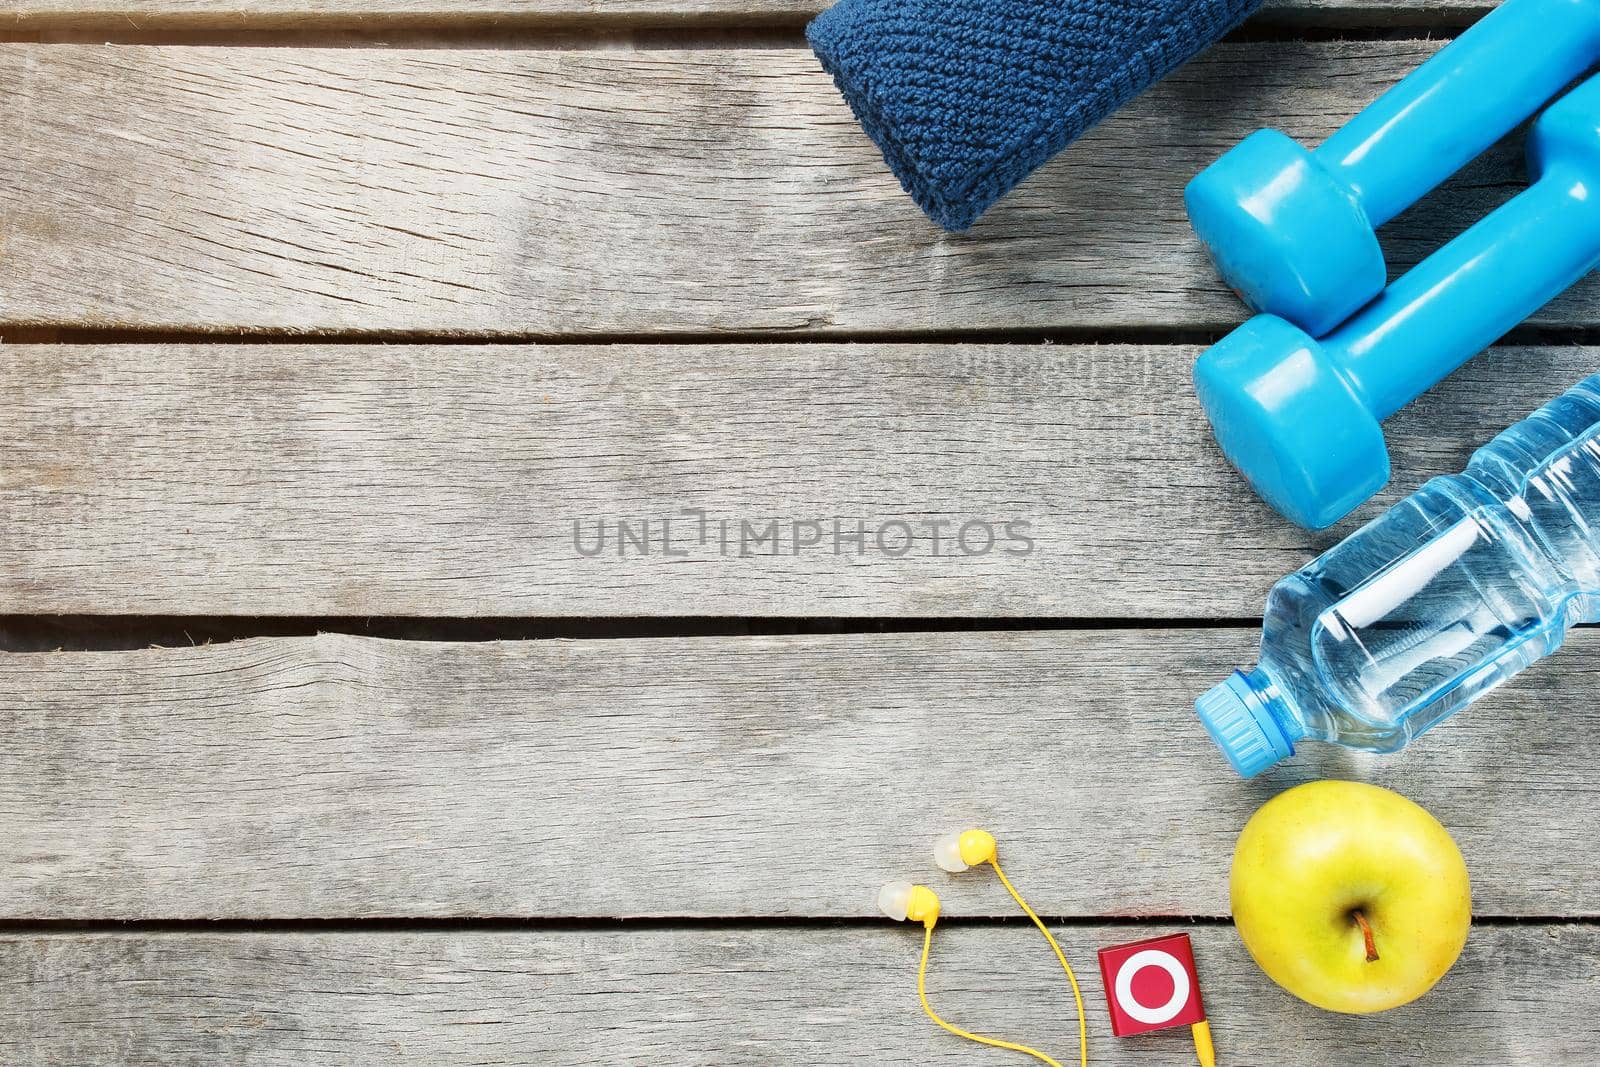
[1131,1006]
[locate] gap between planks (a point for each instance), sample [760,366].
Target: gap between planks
[376,925]
[113,633]
[533,23]
[1527,335]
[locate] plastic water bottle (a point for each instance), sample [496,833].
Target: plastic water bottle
[1433,604]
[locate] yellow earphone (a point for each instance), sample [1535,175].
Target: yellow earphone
[904,902]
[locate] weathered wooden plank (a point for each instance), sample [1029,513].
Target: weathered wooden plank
[144,13]
[467,481]
[1377,13]
[345,776]
[1520,997]
[608,192]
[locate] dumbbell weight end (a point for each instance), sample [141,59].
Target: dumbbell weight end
[1285,232]
[1292,422]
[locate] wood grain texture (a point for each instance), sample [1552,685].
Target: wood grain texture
[465,481]
[603,12]
[351,777]
[610,192]
[1520,998]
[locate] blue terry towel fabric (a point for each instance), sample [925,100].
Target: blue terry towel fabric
[968,97]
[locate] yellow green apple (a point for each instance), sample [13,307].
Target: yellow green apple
[1349,896]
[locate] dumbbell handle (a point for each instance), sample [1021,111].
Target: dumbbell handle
[1476,289]
[1455,105]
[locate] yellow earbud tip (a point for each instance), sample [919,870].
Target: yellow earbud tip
[978,846]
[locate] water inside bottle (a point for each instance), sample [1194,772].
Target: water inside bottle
[1467,608]
[1430,629]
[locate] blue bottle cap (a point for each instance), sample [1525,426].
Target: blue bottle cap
[1239,721]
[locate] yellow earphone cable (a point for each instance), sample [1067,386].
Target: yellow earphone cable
[1077,994]
[922,991]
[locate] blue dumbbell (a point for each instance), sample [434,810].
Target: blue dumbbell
[1293,232]
[1300,417]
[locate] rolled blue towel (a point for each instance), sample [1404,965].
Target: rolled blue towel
[968,97]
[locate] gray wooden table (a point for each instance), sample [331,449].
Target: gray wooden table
[340,731]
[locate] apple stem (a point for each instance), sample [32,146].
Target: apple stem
[1366,935]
